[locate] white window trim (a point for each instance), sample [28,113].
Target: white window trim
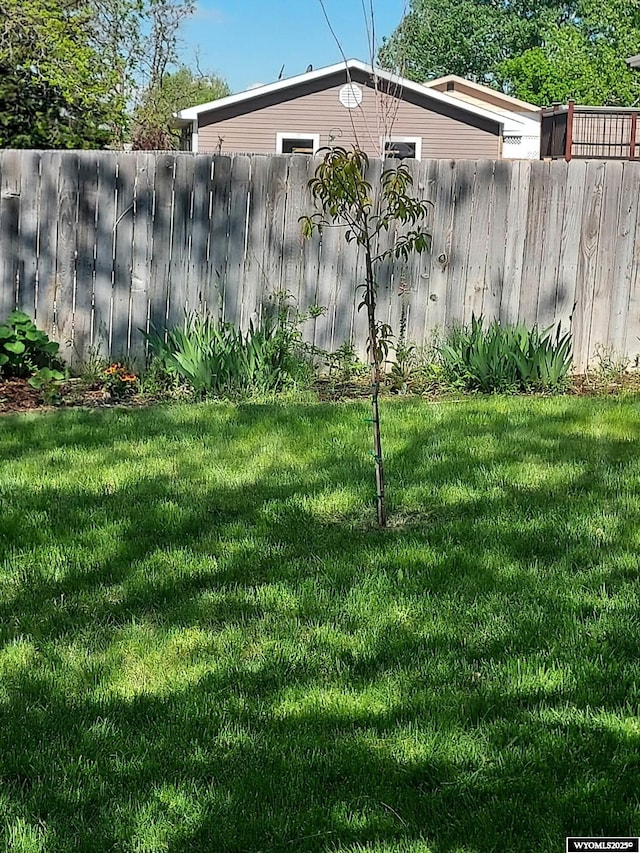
[417,140]
[194,136]
[280,138]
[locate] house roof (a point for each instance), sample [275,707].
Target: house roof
[191,114]
[507,100]
[634,61]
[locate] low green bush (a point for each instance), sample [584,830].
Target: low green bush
[26,351]
[218,359]
[505,358]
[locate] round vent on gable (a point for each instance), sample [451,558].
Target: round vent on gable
[350,96]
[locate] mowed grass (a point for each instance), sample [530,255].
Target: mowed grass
[205,645]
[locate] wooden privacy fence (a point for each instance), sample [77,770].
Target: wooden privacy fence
[96,246]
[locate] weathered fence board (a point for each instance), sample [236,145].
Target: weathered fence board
[99,245]
[28,244]
[431,291]
[625,261]
[586,274]
[123,255]
[86,240]
[10,173]
[464,227]
[47,240]
[141,254]
[517,228]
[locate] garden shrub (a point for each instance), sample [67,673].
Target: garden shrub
[216,358]
[505,358]
[26,351]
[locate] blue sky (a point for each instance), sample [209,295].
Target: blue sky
[248,41]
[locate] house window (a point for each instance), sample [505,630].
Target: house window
[403,147]
[297,143]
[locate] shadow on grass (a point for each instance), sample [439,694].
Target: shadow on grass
[217,659]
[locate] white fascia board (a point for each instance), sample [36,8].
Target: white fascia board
[193,112]
[481,89]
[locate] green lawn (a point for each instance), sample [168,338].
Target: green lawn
[206,646]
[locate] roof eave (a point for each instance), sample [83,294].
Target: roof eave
[193,113]
[479,87]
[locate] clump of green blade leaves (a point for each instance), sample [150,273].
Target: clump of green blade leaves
[506,358]
[218,359]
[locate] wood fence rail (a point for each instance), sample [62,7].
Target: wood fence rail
[96,246]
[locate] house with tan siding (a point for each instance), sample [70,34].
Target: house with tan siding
[347,104]
[521,129]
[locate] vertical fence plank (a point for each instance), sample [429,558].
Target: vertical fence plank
[298,204]
[386,270]
[623,273]
[220,192]
[440,178]
[463,226]
[330,261]
[606,259]
[10,166]
[413,287]
[631,346]
[556,189]
[254,272]
[276,200]
[481,212]
[159,284]
[405,273]
[535,217]
[494,280]
[311,248]
[586,275]
[199,272]
[68,191]
[517,226]
[141,256]
[570,244]
[85,257]
[240,303]
[47,239]
[181,232]
[28,244]
[123,256]
[106,221]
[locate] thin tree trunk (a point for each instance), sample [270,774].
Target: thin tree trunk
[376,376]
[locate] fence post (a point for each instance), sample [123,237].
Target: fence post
[569,139]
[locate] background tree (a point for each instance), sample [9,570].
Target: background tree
[540,52]
[55,92]
[73,71]
[465,37]
[152,125]
[140,40]
[345,198]
[582,58]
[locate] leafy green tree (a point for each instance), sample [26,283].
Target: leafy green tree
[465,37]
[540,52]
[345,198]
[54,90]
[177,90]
[72,70]
[582,59]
